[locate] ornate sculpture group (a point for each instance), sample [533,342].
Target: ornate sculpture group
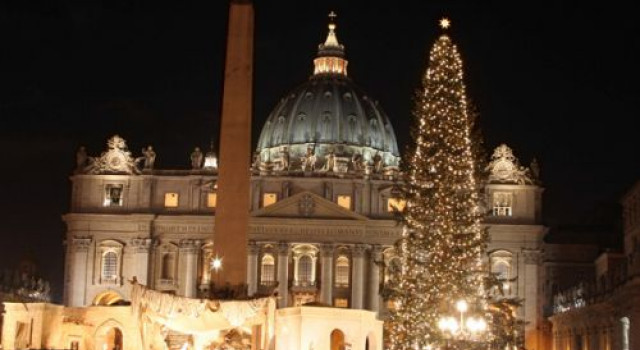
[117,159]
[504,167]
[308,162]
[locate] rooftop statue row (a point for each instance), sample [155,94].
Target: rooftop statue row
[325,160]
[117,159]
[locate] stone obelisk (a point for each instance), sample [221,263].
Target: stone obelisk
[232,212]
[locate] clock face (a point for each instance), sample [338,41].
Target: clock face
[503,169]
[116,161]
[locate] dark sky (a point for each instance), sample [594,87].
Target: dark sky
[553,79]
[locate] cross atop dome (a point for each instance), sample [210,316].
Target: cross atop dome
[332,17]
[331,53]
[332,40]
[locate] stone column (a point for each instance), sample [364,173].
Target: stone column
[252,268]
[374,278]
[77,278]
[357,197]
[188,274]
[283,274]
[141,260]
[357,276]
[532,260]
[326,278]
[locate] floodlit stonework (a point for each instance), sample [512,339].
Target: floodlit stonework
[323,202]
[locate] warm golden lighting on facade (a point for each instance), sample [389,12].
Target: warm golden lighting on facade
[344,201]
[212,200]
[269,198]
[170,200]
[395,204]
[341,302]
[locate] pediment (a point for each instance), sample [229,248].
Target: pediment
[307,205]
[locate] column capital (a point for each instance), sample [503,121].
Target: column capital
[532,256]
[253,247]
[283,248]
[359,250]
[376,253]
[326,250]
[81,244]
[141,245]
[190,245]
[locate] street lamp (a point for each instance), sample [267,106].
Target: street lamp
[462,328]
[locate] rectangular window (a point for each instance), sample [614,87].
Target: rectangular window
[502,204]
[170,200]
[395,204]
[109,266]
[113,195]
[75,345]
[341,302]
[344,201]
[342,272]
[269,198]
[212,200]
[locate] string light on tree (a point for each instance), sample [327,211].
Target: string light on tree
[443,242]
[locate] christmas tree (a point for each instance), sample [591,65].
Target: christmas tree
[442,244]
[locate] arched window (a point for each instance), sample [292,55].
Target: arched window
[337,340]
[168,266]
[501,266]
[110,266]
[267,273]
[342,271]
[305,269]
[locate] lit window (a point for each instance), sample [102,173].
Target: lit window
[267,274]
[502,204]
[395,204]
[342,271]
[109,266]
[269,198]
[170,200]
[502,268]
[212,200]
[304,269]
[345,202]
[341,302]
[113,195]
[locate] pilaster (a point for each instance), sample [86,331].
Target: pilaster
[79,268]
[358,276]
[252,268]
[188,252]
[374,278]
[326,282]
[283,274]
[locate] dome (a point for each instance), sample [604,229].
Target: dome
[328,124]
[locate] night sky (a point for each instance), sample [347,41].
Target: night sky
[552,79]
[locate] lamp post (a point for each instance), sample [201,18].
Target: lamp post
[461,328]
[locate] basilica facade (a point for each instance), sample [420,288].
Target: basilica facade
[324,206]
